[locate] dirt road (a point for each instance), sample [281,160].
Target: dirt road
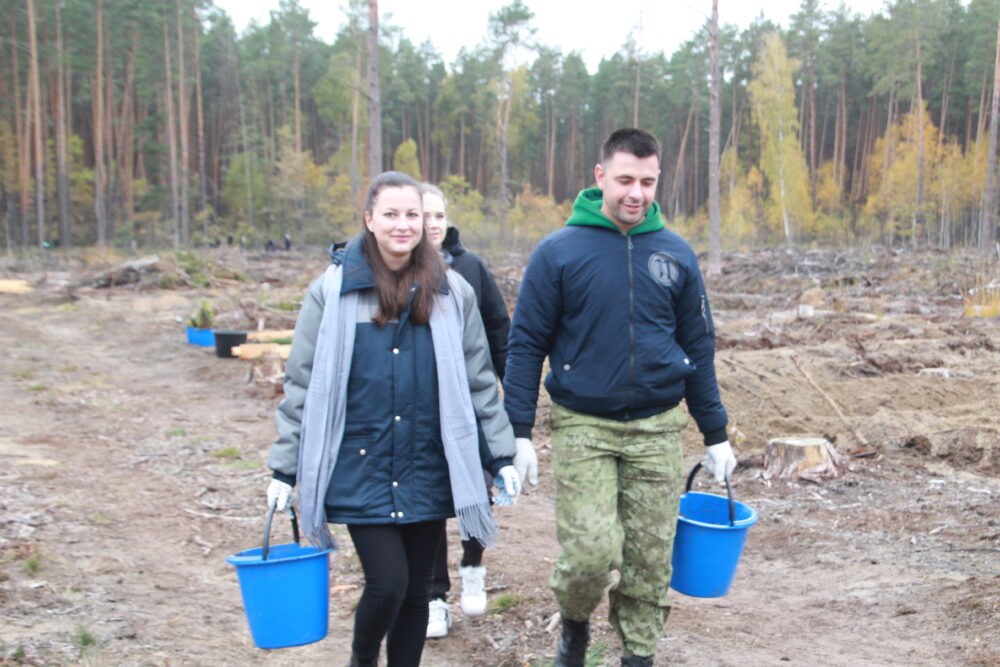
[131,464]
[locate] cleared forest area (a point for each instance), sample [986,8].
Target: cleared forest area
[132,464]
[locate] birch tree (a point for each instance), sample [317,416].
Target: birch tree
[772,96]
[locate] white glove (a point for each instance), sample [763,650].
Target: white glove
[278,493]
[526,461]
[719,460]
[509,483]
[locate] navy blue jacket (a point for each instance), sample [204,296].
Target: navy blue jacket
[624,320]
[391,467]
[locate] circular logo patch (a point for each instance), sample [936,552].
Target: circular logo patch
[664,269]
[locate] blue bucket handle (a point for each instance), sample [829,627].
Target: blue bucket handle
[729,491]
[267,528]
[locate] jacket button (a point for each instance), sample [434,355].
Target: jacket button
[395,350]
[397,418]
[399,514]
[687,361]
[395,483]
[362,452]
[565,367]
[392,515]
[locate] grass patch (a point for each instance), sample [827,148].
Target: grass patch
[23,374]
[83,637]
[38,387]
[33,563]
[19,653]
[67,308]
[177,432]
[983,299]
[97,517]
[245,465]
[289,306]
[597,656]
[226,453]
[503,602]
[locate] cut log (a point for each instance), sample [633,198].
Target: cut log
[268,336]
[130,271]
[10,286]
[803,458]
[248,351]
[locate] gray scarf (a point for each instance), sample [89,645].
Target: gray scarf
[325,412]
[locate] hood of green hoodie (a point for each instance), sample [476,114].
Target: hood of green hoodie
[587,211]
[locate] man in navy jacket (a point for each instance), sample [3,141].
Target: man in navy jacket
[617,303]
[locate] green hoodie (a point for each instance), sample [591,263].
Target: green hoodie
[587,212]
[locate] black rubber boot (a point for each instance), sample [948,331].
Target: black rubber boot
[573,640]
[358,662]
[637,661]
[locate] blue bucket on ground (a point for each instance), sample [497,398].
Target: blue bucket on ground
[200,337]
[711,532]
[286,590]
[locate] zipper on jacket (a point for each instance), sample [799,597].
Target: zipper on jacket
[704,314]
[631,330]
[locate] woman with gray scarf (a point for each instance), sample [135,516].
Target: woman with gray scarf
[391,412]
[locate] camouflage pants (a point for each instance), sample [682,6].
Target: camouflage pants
[617,490]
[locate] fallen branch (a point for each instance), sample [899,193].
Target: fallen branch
[735,364]
[216,516]
[836,408]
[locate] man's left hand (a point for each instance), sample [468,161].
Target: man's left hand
[719,460]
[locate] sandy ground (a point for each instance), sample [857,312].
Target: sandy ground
[131,464]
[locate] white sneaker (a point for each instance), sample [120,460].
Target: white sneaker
[438,619]
[473,589]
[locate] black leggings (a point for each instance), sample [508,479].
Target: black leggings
[397,561]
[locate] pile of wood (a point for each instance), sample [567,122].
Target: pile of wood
[260,343]
[267,359]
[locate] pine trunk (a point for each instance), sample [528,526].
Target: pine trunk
[989,201]
[714,129]
[184,136]
[374,95]
[36,110]
[678,169]
[355,120]
[171,139]
[62,171]
[200,104]
[97,93]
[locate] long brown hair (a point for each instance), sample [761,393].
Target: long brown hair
[424,268]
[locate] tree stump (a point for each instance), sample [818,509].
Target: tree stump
[803,458]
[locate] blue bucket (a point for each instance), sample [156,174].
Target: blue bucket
[711,532]
[200,337]
[286,590]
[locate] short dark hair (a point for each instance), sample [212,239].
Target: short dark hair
[632,141]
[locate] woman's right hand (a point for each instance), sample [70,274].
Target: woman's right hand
[278,493]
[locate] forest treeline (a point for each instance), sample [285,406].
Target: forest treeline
[153,123]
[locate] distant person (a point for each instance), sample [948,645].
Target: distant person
[617,304]
[229,240]
[391,410]
[493,310]
[288,242]
[270,246]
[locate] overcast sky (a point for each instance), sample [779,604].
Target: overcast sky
[595,29]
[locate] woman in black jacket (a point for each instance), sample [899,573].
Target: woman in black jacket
[496,321]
